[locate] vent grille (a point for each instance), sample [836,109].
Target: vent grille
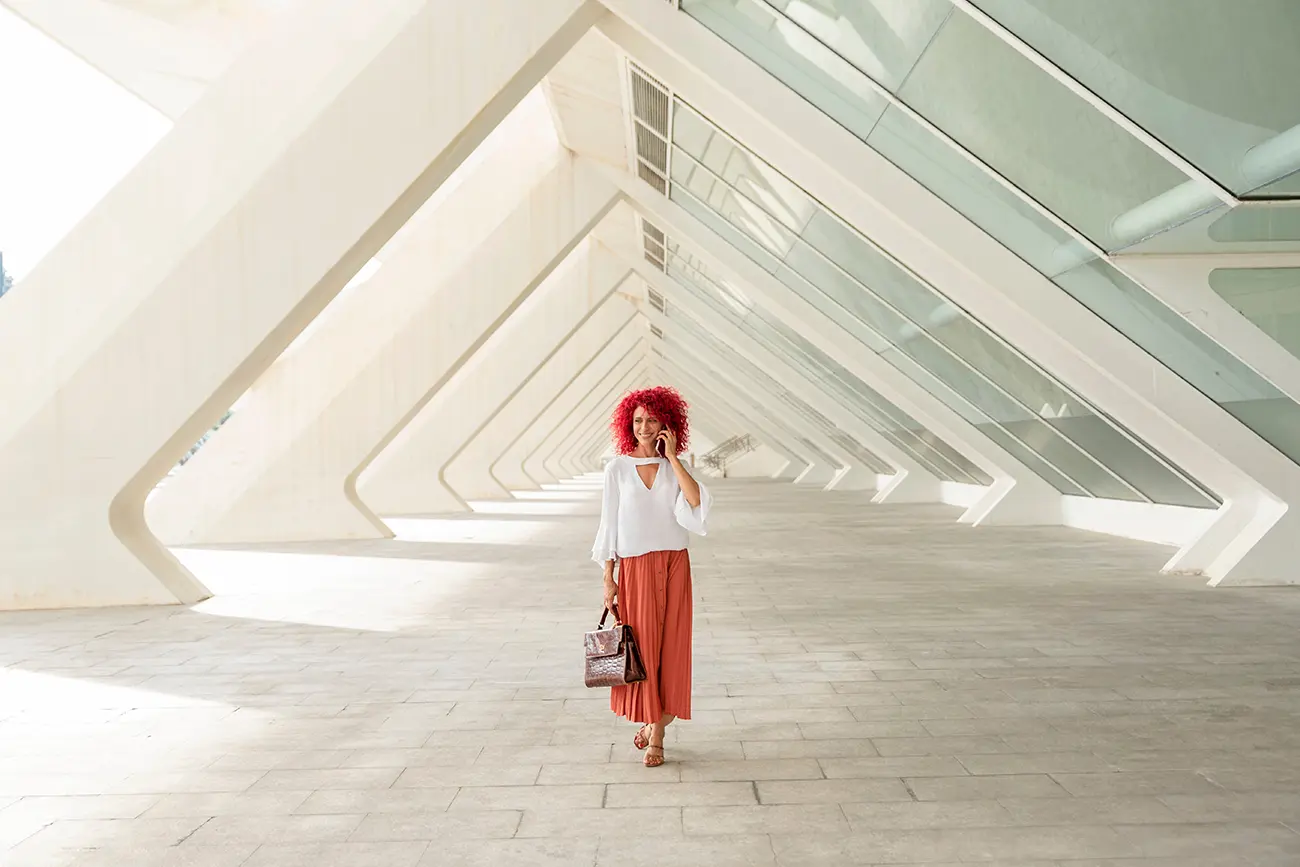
[649,101]
[652,241]
[657,332]
[651,148]
[657,301]
[651,128]
[647,174]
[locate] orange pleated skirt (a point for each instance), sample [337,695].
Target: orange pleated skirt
[654,598]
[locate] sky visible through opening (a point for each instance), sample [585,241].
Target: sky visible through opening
[68,133]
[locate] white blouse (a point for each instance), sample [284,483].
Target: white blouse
[636,520]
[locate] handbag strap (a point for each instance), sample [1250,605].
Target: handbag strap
[605,613]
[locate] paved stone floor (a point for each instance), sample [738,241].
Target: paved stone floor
[874,685]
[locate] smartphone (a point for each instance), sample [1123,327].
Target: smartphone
[659,447]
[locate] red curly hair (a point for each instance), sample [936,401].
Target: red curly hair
[664,403]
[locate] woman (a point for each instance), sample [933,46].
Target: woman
[650,503]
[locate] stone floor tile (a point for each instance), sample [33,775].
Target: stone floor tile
[528,797]
[1137,783]
[478,774]
[765,819]
[941,746]
[331,778]
[904,766]
[607,772]
[430,826]
[749,850]
[749,770]
[535,852]
[831,791]
[639,821]
[972,788]
[1088,811]
[404,854]
[376,801]
[1034,763]
[223,830]
[679,794]
[920,815]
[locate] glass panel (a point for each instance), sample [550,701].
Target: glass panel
[1085,168]
[793,56]
[1257,222]
[993,101]
[835,267]
[701,335]
[1041,137]
[1288,187]
[985,201]
[1268,297]
[1211,79]
[1173,341]
[873,409]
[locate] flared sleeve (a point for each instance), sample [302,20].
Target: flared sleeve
[606,545]
[695,520]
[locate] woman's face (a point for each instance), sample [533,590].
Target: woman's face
[645,427]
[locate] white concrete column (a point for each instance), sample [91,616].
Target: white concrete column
[408,477]
[573,406]
[143,326]
[548,397]
[469,474]
[585,419]
[280,418]
[304,488]
[764,422]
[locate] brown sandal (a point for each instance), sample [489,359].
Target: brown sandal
[653,759]
[641,741]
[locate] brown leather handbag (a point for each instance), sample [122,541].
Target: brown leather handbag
[612,655]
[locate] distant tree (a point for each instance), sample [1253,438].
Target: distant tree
[6,279]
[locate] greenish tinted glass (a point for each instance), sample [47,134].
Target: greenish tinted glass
[1085,168]
[873,409]
[1254,401]
[834,267]
[989,98]
[1257,221]
[1046,140]
[1268,297]
[704,337]
[1213,80]
[982,199]
[792,55]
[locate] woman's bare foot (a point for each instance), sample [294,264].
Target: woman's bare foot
[642,739]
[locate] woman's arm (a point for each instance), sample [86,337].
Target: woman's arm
[690,487]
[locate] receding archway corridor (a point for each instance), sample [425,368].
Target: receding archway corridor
[874,685]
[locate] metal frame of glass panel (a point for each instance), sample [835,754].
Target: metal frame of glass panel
[1190,347]
[774,220]
[815,420]
[864,403]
